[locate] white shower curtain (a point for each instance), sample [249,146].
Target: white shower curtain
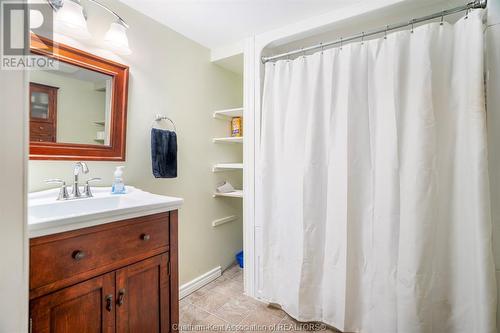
[373,192]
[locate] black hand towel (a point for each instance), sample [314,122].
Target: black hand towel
[164,153]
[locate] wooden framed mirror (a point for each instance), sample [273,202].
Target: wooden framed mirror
[78,109]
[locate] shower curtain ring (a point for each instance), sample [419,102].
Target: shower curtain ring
[412,22]
[362,38]
[467,12]
[303,53]
[385,33]
[341,39]
[322,47]
[442,19]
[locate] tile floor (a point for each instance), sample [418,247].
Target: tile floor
[222,306]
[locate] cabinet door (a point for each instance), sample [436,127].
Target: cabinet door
[43,102]
[43,113]
[142,296]
[86,307]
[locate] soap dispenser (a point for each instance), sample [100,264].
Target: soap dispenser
[118,186]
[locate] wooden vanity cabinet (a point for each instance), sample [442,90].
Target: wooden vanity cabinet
[132,288]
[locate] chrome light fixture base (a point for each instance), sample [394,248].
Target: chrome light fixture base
[122,22]
[56,4]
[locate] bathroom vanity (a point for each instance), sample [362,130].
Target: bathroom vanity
[103,264]
[97,262]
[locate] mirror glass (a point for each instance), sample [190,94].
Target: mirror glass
[70,105]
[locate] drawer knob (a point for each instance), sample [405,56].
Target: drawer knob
[145,237]
[78,255]
[109,303]
[121,297]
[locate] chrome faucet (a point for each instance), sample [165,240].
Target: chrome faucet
[80,167]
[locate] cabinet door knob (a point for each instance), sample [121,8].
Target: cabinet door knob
[145,237]
[109,303]
[121,297]
[78,255]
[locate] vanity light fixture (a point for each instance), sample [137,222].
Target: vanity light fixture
[70,19]
[116,38]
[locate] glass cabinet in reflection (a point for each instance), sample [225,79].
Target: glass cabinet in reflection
[43,112]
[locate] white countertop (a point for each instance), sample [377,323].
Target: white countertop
[48,216]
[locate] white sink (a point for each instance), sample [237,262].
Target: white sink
[46,215]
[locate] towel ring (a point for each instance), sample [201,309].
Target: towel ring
[160,117]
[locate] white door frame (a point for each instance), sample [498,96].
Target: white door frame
[249,167]
[13,200]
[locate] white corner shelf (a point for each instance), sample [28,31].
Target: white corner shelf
[234,194]
[227,167]
[230,139]
[228,114]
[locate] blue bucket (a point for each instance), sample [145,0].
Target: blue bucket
[239,258]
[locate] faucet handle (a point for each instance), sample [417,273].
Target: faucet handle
[56,181]
[63,191]
[88,192]
[93,180]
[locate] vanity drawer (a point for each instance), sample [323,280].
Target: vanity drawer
[41,131]
[57,257]
[42,138]
[41,128]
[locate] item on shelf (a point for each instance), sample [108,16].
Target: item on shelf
[100,135]
[225,187]
[236,127]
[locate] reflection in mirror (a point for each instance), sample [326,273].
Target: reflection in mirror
[70,105]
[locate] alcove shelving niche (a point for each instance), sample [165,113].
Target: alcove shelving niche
[228,115]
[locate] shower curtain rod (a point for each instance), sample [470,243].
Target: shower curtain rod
[471,5]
